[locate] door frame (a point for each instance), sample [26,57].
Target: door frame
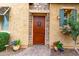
[30,41]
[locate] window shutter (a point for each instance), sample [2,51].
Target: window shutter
[74,14]
[5,23]
[61,14]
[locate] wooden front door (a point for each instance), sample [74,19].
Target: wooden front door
[39,30]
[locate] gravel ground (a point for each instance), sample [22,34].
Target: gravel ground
[67,52]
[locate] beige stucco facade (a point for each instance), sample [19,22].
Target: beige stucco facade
[19,23]
[55,32]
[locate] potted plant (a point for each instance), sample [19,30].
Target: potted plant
[60,46]
[16,45]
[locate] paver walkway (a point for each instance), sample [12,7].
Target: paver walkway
[67,52]
[36,50]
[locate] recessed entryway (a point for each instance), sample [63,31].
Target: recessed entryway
[38,30]
[41,26]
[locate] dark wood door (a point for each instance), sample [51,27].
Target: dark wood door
[39,30]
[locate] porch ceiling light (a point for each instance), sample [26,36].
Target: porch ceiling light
[4,10]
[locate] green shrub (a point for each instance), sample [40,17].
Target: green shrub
[4,40]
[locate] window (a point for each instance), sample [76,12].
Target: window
[5,22]
[64,14]
[4,12]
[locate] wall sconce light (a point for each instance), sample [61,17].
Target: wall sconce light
[58,17]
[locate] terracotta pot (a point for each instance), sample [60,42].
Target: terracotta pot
[16,47]
[23,46]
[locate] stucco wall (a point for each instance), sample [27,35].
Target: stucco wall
[18,22]
[55,33]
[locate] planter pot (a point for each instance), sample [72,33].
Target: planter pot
[61,49]
[55,48]
[16,47]
[23,46]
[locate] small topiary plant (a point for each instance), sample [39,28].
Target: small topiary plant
[4,40]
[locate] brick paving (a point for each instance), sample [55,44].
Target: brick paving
[36,50]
